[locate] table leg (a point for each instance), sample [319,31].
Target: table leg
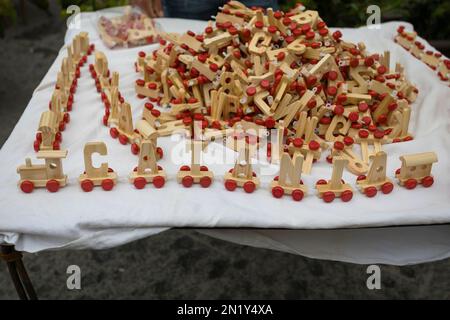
[18,273]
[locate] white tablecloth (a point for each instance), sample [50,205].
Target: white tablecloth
[74,219]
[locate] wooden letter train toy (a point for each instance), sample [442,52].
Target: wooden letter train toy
[376,178]
[336,187]
[49,175]
[416,168]
[188,175]
[289,181]
[103,176]
[242,175]
[148,171]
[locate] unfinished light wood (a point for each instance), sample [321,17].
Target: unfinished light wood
[335,188]
[195,173]
[415,169]
[148,170]
[289,180]
[376,178]
[242,175]
[101,176]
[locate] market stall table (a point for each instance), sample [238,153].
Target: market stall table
[77,220]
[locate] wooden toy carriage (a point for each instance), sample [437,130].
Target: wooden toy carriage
[416,168]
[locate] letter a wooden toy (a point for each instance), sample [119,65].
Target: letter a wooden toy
[376,178]
[102,176]
[336,187]
[148,171]
[289,181]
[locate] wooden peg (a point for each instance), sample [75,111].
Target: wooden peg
[102,176]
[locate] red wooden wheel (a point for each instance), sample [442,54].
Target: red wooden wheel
[370,192]
[411,183]
[230,185]
[56,145]
[187,181]
[87,185]
[62,126]
[114,133]
[277,192]
[159,182]
[204,168]
[328,196]
[123,139]
[205,182]
[105,120]
[297,195]
[27,186]
[107,184]
[347,195]
[36,145]
[52,185]
[427,181]
[387,187]
[249,186]
[160,152]
[134,148]
[185,168]
[321,181]
[66,117]
[140,183]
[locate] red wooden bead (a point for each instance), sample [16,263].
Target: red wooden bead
[348,141]
[369,61]
[107,184]
[338,110]
[363,134]
[331,91]
[370,192]
[297,142]
[363,107]
[387,187]
[249,186]
[277,192]
[328,196]
[314,145]
[338,145]
[353,116]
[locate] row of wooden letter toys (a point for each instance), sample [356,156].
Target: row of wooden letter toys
[415,169]
[54,121]
[435,60]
